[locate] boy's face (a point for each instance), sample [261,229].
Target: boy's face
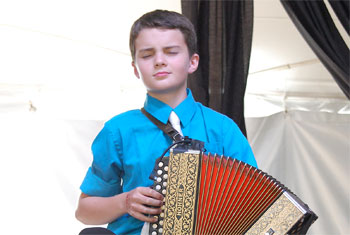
[162,61]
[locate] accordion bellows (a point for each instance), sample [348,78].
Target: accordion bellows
[211,194]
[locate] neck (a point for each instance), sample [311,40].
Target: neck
[171,99]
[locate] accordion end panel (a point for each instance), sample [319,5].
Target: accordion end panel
[280,218]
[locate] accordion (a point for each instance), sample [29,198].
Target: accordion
[211,194]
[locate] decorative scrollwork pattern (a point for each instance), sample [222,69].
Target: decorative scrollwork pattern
[181,193]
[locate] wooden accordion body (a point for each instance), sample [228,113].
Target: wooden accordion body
[211,194]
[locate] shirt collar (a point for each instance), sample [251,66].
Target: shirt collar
[185,110]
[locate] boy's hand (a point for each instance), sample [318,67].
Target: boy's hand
[141,201]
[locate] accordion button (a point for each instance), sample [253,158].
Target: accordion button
[158,187]
[154,226]
[161,222]
[164,184]
[166,168]
[159,172]
[164,191]
[162,215]
[165,176]
[160,230]
[154,233]
[159,179]
[160,164]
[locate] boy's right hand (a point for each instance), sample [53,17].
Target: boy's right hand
[144,200]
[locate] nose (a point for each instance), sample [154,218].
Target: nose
[159,60]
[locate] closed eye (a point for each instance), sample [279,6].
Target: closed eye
[172,50]
[146,53]
[145,56]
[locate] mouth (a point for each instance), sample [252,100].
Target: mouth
[161,74]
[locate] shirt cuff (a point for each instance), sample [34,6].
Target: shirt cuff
[95,186]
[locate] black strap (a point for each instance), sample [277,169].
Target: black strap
[166,128]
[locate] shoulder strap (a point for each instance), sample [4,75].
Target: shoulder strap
[166,128]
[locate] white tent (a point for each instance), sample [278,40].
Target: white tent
[298,119]
[65,69]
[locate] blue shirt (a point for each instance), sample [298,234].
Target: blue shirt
[125,150]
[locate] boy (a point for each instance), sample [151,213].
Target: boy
[116,187]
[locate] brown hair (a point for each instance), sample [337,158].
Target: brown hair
[166,20]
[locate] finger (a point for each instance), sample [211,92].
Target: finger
[151,193]
[144,209]
[138,198]
[142,217]
[150,210]
[151,201]
[145,205]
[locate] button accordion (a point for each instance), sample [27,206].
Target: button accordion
[211,194]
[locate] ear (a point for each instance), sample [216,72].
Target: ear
[136,72]
[194,60]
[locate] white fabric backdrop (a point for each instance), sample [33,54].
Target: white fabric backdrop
[43,162]
[309,153]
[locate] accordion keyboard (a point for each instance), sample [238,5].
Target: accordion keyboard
[160,178]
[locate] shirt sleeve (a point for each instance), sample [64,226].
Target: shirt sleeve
[236,144]
[103,177]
